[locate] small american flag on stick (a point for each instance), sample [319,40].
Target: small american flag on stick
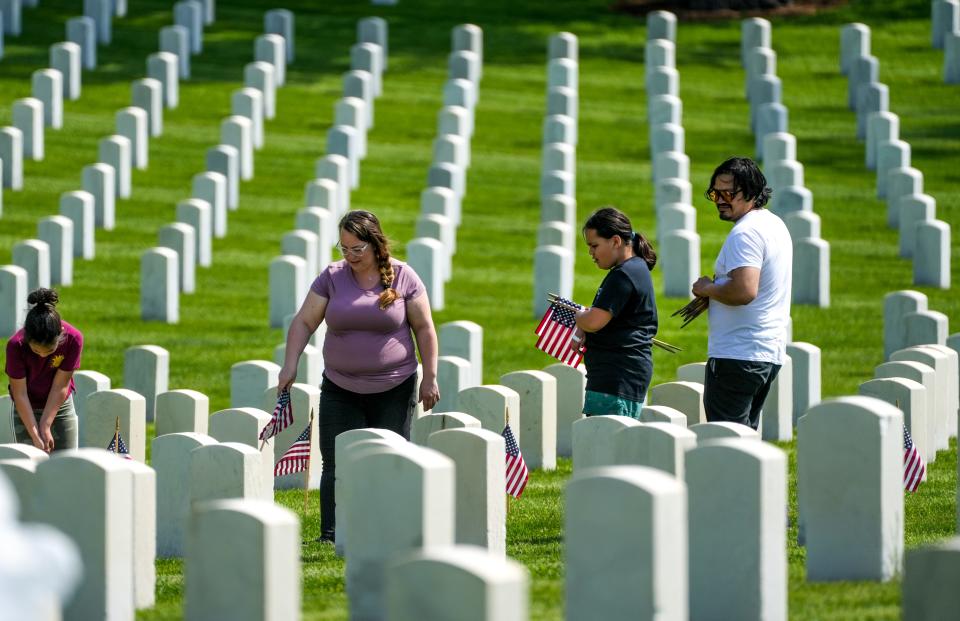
[118,447]
[282,417]
[517,473]
[555,330]
[297,457]
[913,466]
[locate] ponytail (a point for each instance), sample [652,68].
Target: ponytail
[43,325]
[644,249]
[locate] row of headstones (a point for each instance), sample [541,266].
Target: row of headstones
[676,218]
[430,252]
[63,81]
[554,256]
[777,148]
[306,250]
[121,515]
[170,268]
[49,259]
[97,21]
[921,236]
[945,35]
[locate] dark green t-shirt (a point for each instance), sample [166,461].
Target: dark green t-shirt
[618,356]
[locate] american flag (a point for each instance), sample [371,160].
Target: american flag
[282,417]
[517,473]
[118,447]
[913,466]
[555,330]
[297,456]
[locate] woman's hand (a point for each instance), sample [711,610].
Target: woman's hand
[37,441]
[429,393]
[576,341]
[286,378]
[46,437]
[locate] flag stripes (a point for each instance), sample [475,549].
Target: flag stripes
[554,332]
[282,417]
[517,473]
[913,466]
[297,456]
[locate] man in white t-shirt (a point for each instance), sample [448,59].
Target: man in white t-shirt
[749,296]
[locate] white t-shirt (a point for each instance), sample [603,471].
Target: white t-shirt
[756,331]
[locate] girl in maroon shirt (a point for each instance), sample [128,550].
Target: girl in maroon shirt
[41,359]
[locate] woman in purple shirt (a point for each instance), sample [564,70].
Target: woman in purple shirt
[41,359]
[371,303]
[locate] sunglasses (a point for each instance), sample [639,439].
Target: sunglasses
[715,195]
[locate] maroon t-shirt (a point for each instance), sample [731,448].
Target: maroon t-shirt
[39,372]
[367,350]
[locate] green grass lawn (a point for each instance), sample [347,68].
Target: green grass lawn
[225,321]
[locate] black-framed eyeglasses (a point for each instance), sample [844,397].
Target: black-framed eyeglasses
[716,194]
[355,251]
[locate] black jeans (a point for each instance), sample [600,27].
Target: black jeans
[342,410]
[734,390]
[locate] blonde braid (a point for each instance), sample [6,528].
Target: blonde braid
[389,294]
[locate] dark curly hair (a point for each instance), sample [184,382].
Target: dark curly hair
[747,178]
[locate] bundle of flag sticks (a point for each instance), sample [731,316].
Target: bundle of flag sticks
[553,298]
[692,310]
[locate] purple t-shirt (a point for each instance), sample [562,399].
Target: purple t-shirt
[39,372]
[367,350]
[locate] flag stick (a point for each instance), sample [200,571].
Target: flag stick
[306,480]
[506,423]
[553,299]
[116,438]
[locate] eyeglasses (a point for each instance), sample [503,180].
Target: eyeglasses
[355,251]
[715,194]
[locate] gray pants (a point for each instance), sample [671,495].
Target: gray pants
[64,427]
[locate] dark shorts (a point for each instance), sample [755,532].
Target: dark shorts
[734,390]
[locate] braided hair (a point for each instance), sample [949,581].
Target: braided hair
[42,325]
[366,227]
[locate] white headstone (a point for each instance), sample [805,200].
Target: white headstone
[248,102]
[102,14]
[57,232]
[13,294]
[33,256]
[82,31]
[78,207]
[738,569]
[351,111]
[114,151]
[685,397]
[911,398]
[281,22]
[147,94]
[176,40]
[11,158]
[931,260]
[197,214]
[162,67]
[259,536]
[594,443]
[805,359]
[914,209]
[28,118]
[630,563]
[374,30]
[170,455]
[537,423]
[270,48]
[87,495]
[426,257]
[225,159]
[48,89]
[681,262]
[854,43]
[132,123]
[101,411]
[458,581]
[100,181]
[400,499]
[553,273]
[811,272]
[850,488]
[211,187]
[657,445]
[86,382]
[159,285]
[146,371]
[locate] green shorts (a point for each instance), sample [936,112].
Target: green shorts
[601,404]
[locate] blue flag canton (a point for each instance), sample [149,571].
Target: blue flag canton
[563,315]
[114,448]
[303,437]
[513,448]
[907,439]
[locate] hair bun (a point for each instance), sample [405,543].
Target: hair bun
[43,296]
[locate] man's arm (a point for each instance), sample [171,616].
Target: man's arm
[741,289]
